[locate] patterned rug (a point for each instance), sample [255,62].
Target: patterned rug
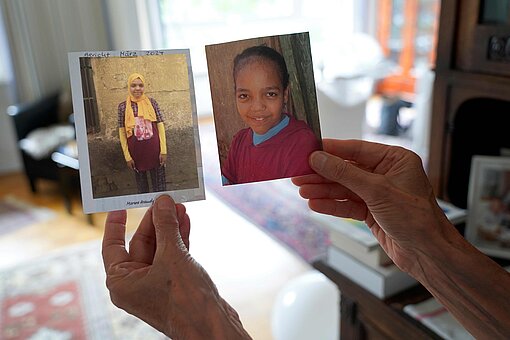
[274,206]
[63,296]
[16,214]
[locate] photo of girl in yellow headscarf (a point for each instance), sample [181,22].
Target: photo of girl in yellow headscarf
[142,136]
[137,128]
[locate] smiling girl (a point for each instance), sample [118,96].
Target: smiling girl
[275,145]
[142,136]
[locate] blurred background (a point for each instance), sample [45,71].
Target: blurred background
[373,64]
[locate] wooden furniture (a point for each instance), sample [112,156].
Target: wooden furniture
[364,316]
[66,159]
[471,92]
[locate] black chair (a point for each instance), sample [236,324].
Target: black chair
[28,117]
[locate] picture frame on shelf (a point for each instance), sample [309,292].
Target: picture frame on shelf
[488,223]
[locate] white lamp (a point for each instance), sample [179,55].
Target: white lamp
[308,307]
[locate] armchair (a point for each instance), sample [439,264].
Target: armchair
[27,117]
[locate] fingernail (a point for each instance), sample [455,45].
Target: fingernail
[163,203]
[318,160]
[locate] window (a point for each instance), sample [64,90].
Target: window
[5,60]
[407,32]
[89,96]
[196,23]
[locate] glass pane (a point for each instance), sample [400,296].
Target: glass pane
[218,10]
[395,43]
[5,59]
[428,11]
[495,12]
[195,23]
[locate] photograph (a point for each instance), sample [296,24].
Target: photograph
[137,128]
[488,223]
[264,107]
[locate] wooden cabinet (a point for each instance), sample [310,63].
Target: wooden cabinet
[483,38]
[472,80]
[364,316]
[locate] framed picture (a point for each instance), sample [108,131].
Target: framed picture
[136,128]
[265,107]
[488,224]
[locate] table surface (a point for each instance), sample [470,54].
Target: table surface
[67,155]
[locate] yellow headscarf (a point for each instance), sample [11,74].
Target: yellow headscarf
[145,108]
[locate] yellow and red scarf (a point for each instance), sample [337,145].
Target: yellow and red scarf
[145,108]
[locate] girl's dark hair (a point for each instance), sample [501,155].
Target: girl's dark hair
[262,51]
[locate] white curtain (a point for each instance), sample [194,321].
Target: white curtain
[134,24]
[42,32]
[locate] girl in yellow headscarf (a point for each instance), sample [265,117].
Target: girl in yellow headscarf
[142,136]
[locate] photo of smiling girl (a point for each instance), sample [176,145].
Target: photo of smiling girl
[142,136]
[275,144]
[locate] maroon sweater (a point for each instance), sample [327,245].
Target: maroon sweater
[283,155]
[145,153]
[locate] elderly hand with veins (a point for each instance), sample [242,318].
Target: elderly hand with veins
[158,281]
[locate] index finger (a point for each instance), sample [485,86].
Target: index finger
[114,244]
[309,179]
[366,154]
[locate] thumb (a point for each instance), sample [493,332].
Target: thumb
[169,244]
[338,170]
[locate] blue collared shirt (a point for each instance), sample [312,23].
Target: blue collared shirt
[257,139]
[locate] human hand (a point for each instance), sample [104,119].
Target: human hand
[386,187]
[158,281]
[162,159]
[131,164]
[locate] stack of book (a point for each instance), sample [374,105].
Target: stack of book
[355,253]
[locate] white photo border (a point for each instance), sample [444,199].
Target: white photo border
[479,164]
[91,204]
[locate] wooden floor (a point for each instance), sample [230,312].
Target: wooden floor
[248,267]
[41,238]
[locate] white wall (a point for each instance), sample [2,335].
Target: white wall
[339,120]
[10,159]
